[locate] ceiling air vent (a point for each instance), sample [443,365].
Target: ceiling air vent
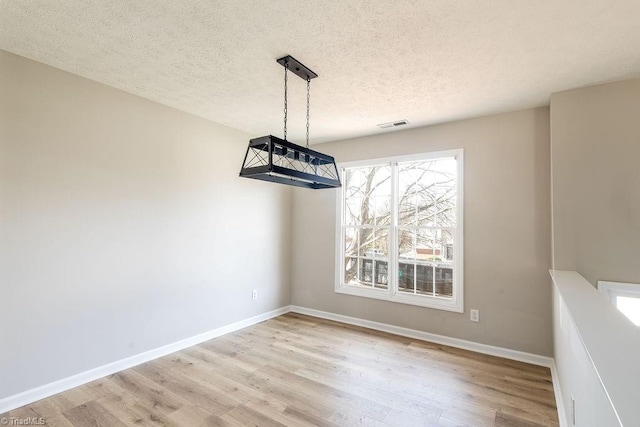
[393,124]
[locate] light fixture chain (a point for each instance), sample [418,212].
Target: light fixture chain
[308,101]
[286,68]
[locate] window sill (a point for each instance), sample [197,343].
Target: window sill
[454,305]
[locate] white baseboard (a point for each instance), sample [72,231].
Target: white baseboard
[30,396]
[520,356]
[12,402]
[557,391]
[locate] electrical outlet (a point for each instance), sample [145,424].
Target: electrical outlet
[254,295]
[475,315]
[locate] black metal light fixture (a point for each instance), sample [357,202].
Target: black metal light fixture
[273,159]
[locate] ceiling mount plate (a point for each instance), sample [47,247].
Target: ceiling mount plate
[297,67]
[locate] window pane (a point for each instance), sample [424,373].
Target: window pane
[383,210]
[368,212]
[407,214]
[382,181]
[415,200]
[444,191]
[427,193]
[444,281]
[380,254]
[406,245]
[426,249]
[406,276]
[424,278]
[373,242]
[354,180]
[427,255]
[366,271]
[368,195]
[382,242]
[351,271]
[443,264]
[406,261]
[366,242]
[381,195]
[354,195]
[350,241]
[444,245]
[381,274]
[352,208]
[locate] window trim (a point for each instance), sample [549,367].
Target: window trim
[456,303]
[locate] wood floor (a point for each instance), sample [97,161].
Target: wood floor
[297,370]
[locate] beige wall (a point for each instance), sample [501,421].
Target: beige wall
[123,226]
[507,232]
[595,145]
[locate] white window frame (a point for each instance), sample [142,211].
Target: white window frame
[456,303]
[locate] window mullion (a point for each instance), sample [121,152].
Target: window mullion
[393,233]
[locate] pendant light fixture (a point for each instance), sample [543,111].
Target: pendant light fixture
[269,158]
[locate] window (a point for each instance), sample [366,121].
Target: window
[625,296]
[399,230]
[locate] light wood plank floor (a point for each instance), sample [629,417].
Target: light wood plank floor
[298,370]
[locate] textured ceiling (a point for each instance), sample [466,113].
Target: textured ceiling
[378,61]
